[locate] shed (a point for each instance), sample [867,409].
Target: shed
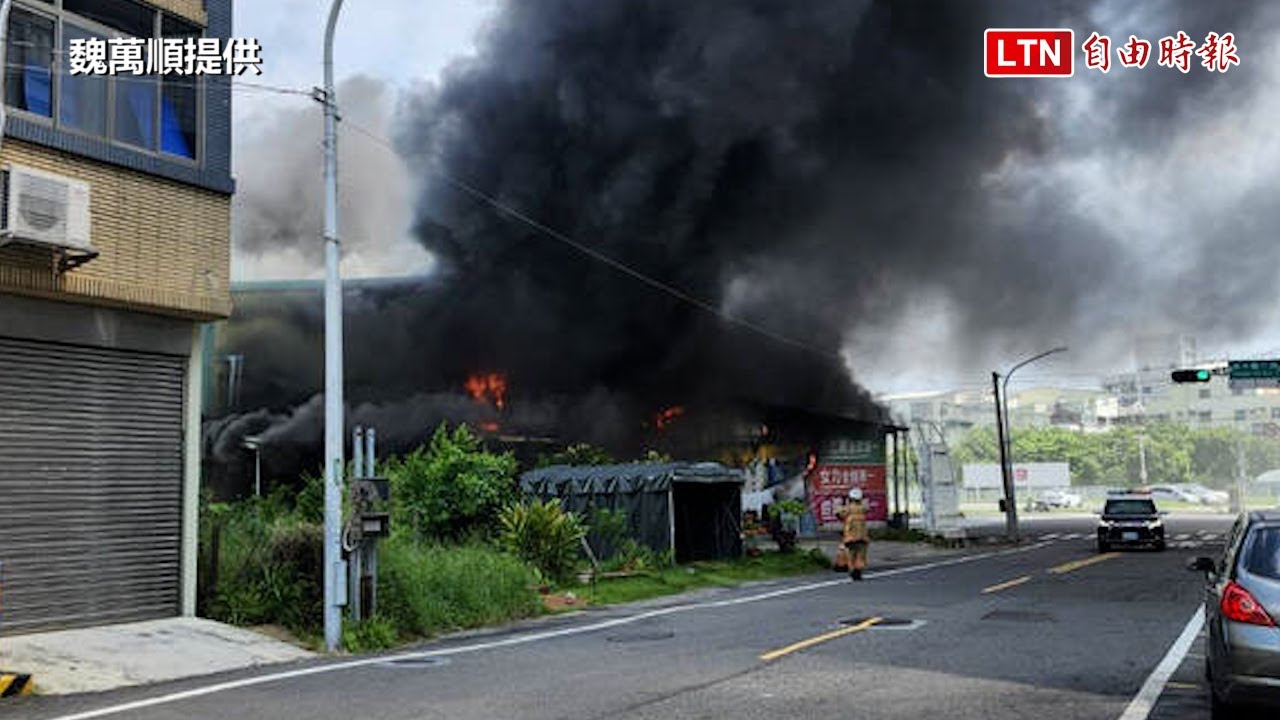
[693,509]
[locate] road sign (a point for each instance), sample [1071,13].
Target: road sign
[1254,373]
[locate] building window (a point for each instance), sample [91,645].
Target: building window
[1237,391]
[1206,415]
[82,103]
[1240,415]
[1275,413]
[1146,390]
[1205,394]
[149,112]
[28,77]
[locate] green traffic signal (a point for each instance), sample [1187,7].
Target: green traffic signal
[1191,376]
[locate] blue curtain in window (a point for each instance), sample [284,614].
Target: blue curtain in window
[172,139]
[37,88]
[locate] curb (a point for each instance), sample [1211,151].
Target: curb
[13,684]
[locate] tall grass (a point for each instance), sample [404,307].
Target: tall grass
[427,589]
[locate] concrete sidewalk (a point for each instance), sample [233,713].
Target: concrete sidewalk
[114,656]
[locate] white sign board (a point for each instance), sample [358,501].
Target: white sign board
[942,495]
[1025,475]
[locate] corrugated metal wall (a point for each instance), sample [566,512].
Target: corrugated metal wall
[90,485]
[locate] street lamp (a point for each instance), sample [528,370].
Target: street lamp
[334,572]
[1005,431]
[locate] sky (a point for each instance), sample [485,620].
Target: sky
[395,43]
[1174,178]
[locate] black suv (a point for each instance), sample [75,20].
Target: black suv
[1130,521]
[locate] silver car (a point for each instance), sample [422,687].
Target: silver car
[1242,605]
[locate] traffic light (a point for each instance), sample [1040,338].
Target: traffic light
[1191,376]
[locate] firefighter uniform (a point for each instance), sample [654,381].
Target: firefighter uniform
[855,536]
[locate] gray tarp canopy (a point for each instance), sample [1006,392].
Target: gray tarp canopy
[694,509]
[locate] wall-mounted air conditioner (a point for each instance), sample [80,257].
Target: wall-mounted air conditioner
[41,208]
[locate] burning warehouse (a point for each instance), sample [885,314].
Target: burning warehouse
[413,363]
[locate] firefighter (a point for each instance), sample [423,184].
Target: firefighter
[855,537]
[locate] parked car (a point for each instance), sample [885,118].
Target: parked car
[1130,521]
[1171,492]
[1242,602]
[1055,499]
[1208,496]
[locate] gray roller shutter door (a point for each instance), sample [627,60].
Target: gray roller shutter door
[90,485]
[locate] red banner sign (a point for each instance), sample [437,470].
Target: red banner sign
[829,485]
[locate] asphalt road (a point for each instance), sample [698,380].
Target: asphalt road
[1049,629]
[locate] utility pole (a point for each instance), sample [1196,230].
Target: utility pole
[334,567]
[1006,452]
[1010,507]
[1142,459]
[1238,503]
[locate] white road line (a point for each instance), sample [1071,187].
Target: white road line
[1142,703]
[518,640]
[1051,536]
[1182,536]
[1211,536]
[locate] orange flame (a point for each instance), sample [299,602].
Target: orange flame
[488,387]
[667,416]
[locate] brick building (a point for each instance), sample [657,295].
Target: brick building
[116,204]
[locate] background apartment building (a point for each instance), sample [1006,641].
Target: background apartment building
[1141,395]
[116,207]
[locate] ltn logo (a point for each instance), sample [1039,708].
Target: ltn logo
[1029,52]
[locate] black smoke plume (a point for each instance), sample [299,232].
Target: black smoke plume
[819,169]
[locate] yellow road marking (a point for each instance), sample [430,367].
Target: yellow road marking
[775,654]
[1077,564]
[1006,585]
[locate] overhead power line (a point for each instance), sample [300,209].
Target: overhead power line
[618,265]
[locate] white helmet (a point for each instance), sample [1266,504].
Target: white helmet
[855,494]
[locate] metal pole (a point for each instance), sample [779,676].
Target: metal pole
[1240,503]
[333,375]
[909,471]
[1006,454]
[1142,459]
[357,452]
[370,559]
[1010,520]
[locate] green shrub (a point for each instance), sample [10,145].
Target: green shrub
[631,556]
[449,488]
[579,454]
[544,535]
[268,566]
[612,527]
[293,573]
[424,590]
[789,506]
[376,633]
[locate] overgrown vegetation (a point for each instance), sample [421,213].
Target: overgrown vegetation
[545,536]
[578,454]
[464,552]
[427,589]
[268,556]
[451,488]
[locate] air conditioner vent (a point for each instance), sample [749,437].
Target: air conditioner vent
[47,209]
[41,208]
